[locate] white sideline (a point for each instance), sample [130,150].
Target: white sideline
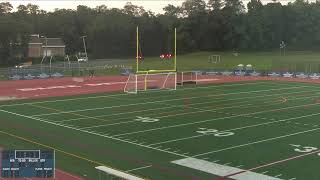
[115,95]
[216,119]
[191,104]
[153,102]
[221,170]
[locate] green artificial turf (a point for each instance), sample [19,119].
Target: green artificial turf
[264,120]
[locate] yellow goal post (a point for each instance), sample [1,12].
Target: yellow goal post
[138,56]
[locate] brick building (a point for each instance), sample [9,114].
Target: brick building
[40,46]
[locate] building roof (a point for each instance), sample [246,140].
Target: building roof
[50,42]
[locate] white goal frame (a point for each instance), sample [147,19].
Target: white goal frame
[214,58]
[187,77]
[145,81]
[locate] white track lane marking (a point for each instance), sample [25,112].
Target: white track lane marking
[115,95]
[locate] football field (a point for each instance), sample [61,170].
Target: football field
[257,130]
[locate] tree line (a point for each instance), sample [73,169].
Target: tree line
[214,25]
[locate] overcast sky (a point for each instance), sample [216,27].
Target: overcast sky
[153,5]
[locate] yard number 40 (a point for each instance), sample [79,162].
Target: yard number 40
[215,132]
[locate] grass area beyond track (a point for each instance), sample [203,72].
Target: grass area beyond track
[264,129]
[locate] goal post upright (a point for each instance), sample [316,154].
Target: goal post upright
[174,68]
[175,49]
[137,50]
[151,79]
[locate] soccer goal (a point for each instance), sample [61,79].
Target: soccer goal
[187,77]
[106,173]
[214,59]
[148,81]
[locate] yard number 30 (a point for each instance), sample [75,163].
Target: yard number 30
[304,149]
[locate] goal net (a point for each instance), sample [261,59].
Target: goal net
[188,77]
[147,82]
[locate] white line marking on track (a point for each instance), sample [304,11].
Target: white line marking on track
[106,96]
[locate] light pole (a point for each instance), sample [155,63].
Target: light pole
[46,41]
[44,54]
[84,46]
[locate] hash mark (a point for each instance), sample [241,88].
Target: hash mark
[278,175]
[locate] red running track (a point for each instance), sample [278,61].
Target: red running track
[41,88]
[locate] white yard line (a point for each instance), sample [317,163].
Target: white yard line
[257,142]
[92,133]
[187,113]
[173,115]
[234,129]
[152,148]
[215,119]
[130,112]
[139,168]
[154,102]
[192,104]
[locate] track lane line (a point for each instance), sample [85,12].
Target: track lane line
[106,96]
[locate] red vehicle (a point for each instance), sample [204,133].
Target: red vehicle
[166,56]
[140,57]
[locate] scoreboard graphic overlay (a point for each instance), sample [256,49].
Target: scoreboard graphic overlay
[27,164]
